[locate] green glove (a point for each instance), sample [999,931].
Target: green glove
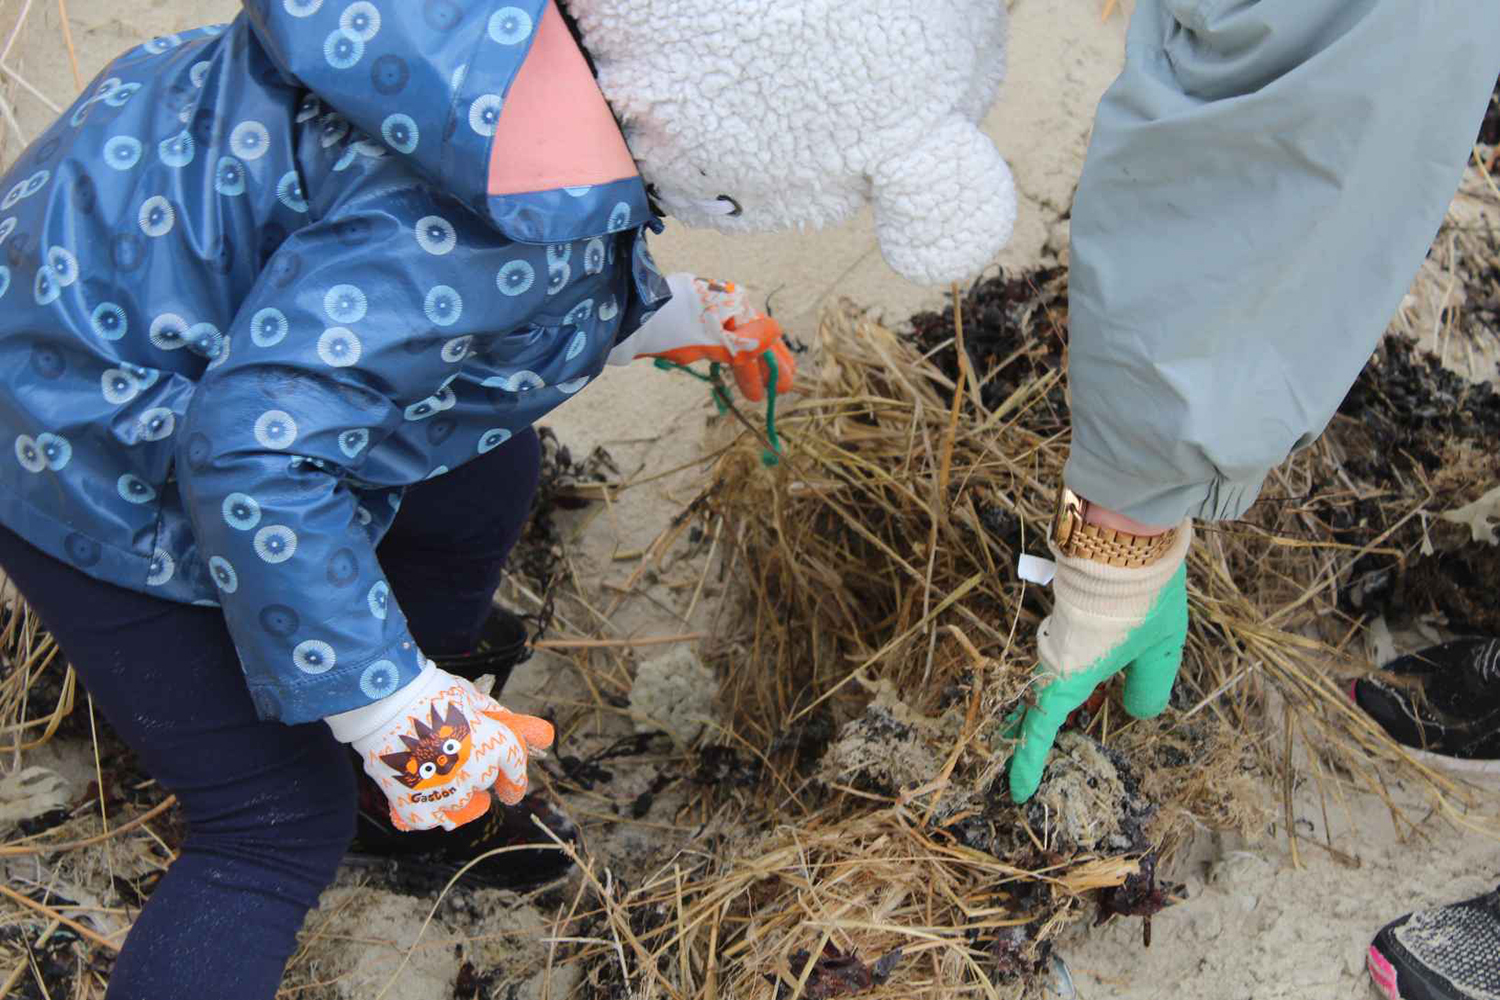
[1104,620]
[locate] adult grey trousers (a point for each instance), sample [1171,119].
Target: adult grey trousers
[1263,182]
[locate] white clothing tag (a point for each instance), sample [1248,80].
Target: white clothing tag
[1035,569]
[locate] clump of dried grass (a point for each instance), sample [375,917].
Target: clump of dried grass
[31,661]
[885,545]
[880,553]
[877,556]
[755,919]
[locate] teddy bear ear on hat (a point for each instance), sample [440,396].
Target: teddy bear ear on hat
[944,207]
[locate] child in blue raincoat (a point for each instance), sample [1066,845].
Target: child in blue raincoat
[280,302]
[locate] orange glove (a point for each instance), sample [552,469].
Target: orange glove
[712,321]
[444,750]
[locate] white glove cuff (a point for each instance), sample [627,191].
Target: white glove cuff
[1096,605]
[350,727]
[1114,591]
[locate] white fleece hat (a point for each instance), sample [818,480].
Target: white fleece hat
[764,115]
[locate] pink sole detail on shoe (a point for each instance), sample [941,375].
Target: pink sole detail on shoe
[1383,973]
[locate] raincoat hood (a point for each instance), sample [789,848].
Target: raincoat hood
[459,90]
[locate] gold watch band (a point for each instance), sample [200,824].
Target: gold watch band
[1116,548]
[1076,538]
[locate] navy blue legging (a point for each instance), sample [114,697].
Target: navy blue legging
[270,808]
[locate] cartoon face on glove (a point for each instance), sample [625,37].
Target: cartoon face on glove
[435,753]
[756,116]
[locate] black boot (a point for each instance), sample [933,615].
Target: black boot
[502,647]
[424,860]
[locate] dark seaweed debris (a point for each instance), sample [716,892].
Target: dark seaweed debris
[1458,584]
[539,552]
[1014,951]
[59,958]
[1000,829]
[836,974]
[584,773]
[607,980]
[538,555]
[1415,425]
[1015,331]
[1489,130]
[723,767]
[1412,407]
[1141,895]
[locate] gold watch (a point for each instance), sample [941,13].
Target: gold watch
[1075,537]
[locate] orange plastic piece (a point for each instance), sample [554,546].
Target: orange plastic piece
[751,373]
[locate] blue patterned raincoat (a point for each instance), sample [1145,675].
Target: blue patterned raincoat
[253,284]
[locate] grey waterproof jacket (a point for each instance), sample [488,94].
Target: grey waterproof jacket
[1263,181]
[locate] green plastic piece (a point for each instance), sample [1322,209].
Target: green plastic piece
[773,456]
[769,457]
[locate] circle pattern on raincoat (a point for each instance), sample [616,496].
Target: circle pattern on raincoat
[314,657]
[275,543]
[510,26]
[134,489]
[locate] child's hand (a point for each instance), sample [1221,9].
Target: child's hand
[438,758]
[713,321]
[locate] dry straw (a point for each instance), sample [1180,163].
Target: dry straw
[870,554]
[881,552]
[880,884]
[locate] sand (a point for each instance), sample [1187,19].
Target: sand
[1254,926]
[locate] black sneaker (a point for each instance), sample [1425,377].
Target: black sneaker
[424,860]
[1449,953]
[502,647]
[1443,702]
